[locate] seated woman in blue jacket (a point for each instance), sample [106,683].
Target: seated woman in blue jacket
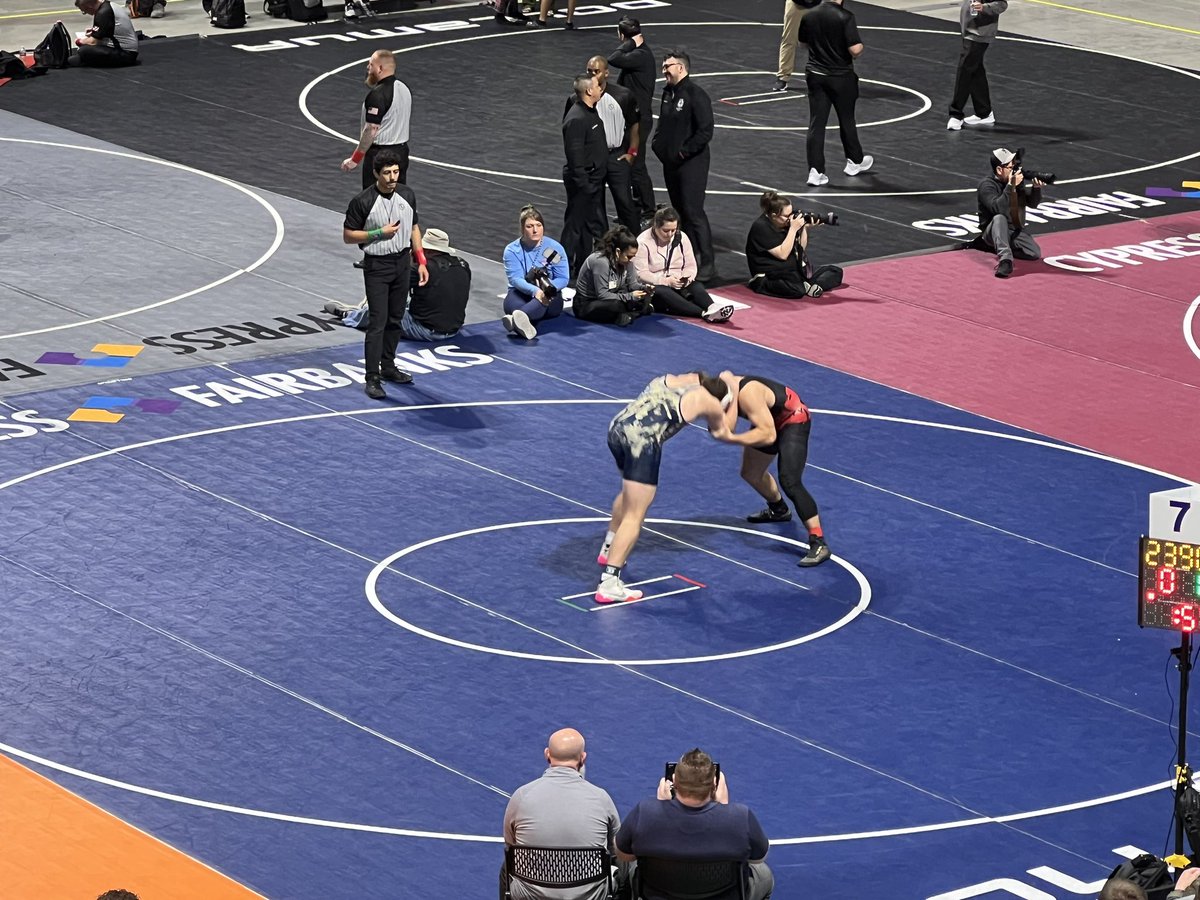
[537,272]
[607,288]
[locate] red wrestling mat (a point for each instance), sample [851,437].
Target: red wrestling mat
[1076,346]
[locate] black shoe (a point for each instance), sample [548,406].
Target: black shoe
[780,85]
[396,376]
[1004,268]
[624,319]
[374,389]
[766,515]
[818,552]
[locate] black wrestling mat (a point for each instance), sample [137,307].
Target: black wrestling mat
[267,108]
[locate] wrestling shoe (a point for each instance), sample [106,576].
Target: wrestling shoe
[522,326]
[396,376]
[613,590]
[818,552]
[766,515]
[1004,268]
[816,179]
[853,168]
[989,119]
[374,389]
[718,312]
[955,124]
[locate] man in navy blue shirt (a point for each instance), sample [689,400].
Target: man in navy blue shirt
[692,818]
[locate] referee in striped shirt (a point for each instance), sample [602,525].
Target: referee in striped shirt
[386,114]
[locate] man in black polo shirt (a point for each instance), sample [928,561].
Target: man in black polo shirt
[386,113]
[586,149]
[831,36]
[382,220]
[111,42]
[638,71]
[685,129]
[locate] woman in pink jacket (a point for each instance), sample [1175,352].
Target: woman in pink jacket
[665,260]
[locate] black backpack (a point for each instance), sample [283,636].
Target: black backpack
[276,8]
[13,67]
[140,9]
[1149,873]
[54,49]
[307,10]
[228,13]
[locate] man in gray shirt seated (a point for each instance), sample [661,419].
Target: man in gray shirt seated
[560,809]
[111,42]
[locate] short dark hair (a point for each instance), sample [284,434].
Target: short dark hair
[716,386]
[383,159]
[680,55]
[1120,889]
[664,214]
[616,240]
[118,894]
[629,26]
[772,203]
[581,84]
[695,773]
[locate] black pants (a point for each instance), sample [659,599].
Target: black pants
[606,311]
[619,177]
[368,163]
[792,447]
[971,81]
[793,285]
[839,92]
[643,187]
[583,221]
[687,182]
[102,56]
[387,282]
[689,301]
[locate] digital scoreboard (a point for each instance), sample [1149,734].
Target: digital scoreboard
[1169,585]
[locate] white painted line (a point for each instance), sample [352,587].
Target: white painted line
[776,98]
[275,244]
[628,584]
[600,607]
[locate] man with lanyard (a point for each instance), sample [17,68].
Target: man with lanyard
[382,220]
[779,428]
[635,439]
[638,72]
[111,42]
[619,111]
[685,128]
[586,151]
[386,114]
[831,36]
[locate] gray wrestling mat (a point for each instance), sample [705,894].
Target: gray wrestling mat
[117,264]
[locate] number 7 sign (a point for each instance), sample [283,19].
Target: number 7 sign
[1175,515]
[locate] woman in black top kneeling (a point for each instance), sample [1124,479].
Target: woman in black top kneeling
[775,253]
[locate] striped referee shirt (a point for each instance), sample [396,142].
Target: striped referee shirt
[388,105]
[371,209]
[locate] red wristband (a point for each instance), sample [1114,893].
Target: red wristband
[419,255]
[632,152]
[357,156]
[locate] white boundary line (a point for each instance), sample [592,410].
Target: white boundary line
[599,608]
[303,102]
[1188,320]
[275,244]
[630,584]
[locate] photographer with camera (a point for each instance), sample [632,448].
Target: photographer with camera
[607,289]
[691,818]
[1003,197]
[536,266]
[776,251]
[665,259]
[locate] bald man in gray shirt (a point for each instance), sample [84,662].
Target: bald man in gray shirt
[560,809]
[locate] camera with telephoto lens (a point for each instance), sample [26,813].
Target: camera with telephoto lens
[540,276]
[1043,177]
[812,218]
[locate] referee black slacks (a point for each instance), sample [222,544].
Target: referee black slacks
[368,163]
[971,82]
[687,183]
[387,282]
[643,187]
[619,176]
[838,92]
[583,221]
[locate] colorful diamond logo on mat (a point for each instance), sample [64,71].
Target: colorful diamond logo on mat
[112,356]
[113,409]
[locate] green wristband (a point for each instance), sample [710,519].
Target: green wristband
[375,233]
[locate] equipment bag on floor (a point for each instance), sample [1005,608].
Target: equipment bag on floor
[228,13]
[1149,873]
[307,10]
[54,49]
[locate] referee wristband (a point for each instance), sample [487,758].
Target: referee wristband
[374,234]
[632,152]
[357,156]
[419,255]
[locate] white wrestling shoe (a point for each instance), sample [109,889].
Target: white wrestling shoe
[613,590]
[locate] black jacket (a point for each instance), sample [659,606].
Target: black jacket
[585,148]
[685,123]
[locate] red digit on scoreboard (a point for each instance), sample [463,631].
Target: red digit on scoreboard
[1184,618]
[1165,580]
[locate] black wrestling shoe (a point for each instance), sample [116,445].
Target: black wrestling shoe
[765,515]
[374,389]
[818,552]
[396,376]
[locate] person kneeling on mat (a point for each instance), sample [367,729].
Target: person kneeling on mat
[776,252]
[635,439]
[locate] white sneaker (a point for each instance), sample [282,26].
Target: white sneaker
[718,312]
[613,590]
[859,168]
[989,119]
[507,322]
[158,10]
[816,179]
[954,124]
[522,326]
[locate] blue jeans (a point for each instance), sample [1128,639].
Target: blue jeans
[532,307]
[415,331]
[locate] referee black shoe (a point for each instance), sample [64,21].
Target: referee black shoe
[396,376]
[818,552]
[374,389]
[767,515]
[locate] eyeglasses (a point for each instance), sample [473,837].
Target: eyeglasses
[668,65]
